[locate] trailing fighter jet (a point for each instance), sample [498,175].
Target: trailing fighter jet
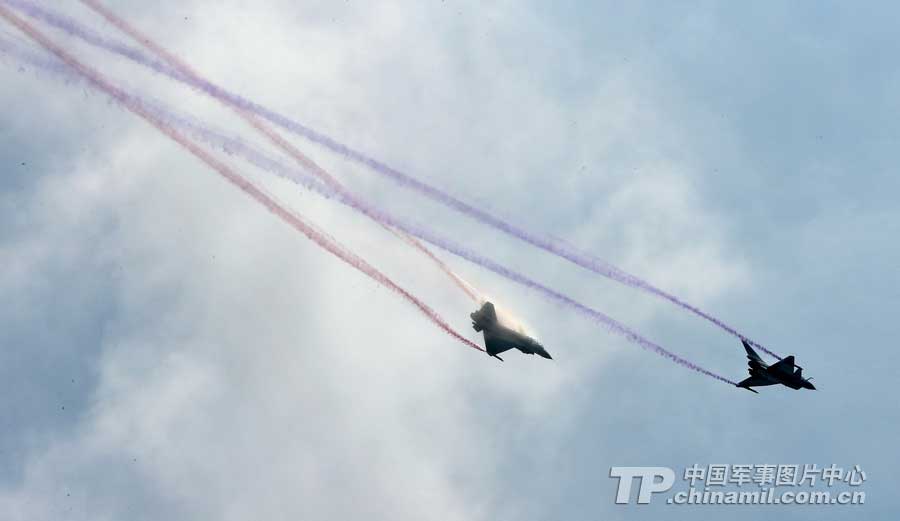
[783,372]
[499,338]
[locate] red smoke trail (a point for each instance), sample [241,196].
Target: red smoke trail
[302,179]
[415,243]
[585,260]
[193,75]
[100,82]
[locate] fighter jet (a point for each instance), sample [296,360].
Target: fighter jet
[783,372]
[499,338]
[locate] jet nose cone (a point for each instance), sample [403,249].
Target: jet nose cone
[546,355]
[810,386]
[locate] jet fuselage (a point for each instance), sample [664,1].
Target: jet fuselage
[499,338]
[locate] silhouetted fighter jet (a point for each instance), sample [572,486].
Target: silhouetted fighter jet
[783,372]
[499,338]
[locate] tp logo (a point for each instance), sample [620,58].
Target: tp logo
[649,485]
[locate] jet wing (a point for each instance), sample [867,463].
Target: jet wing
[754,381]
[785,365]
[494,346]
[751,354]
[753,360]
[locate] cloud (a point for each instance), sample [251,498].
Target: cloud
[213,364]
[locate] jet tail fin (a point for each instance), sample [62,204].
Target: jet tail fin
[488,312]
[484,318]
[748,388]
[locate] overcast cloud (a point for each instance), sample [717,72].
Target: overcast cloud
[169,350]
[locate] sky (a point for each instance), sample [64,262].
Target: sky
[170,350]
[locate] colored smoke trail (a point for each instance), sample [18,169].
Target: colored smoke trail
[192,76]
[332,183]
[237,147]
[593,314]
[455,249]
[99,82]
[464,286]
[556,248]
[422,233]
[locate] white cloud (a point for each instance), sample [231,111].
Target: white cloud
[247,373]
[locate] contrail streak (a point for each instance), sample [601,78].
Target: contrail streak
[585,260]
[99,82]
[235,146]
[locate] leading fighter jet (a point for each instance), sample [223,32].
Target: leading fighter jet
[783,372]
[499,338]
